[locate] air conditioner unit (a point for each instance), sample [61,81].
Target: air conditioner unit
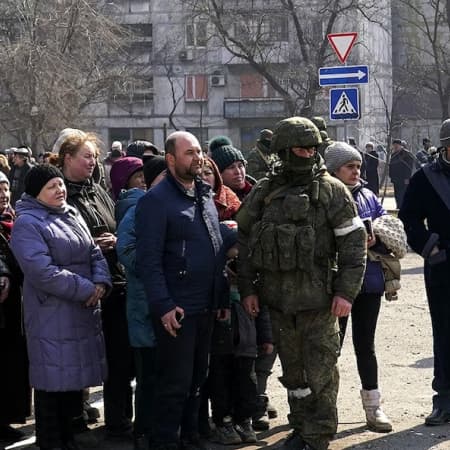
[186,55]
[217,80]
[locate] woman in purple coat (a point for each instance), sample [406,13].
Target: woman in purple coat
[344,162]
[65,276]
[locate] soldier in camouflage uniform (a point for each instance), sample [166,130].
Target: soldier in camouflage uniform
[302,252]
[320,123]
[260,160]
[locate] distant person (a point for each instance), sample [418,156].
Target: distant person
[320,123]
[372,178]
[424,155]
[141,149]
[113,155]
[401,167]
[425,212]
[260,160]
[21,166]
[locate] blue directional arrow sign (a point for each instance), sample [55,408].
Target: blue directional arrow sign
[336,76]
[344,104]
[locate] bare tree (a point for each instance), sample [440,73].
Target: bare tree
[426,40]
[57,58]
[258,33]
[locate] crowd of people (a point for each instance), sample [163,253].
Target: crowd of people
[191,272]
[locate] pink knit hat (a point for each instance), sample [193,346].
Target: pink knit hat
[121,172]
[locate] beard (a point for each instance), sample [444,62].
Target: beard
[188,174]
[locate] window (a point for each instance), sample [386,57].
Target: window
[139,30]
[132,6]
[135,96]
[196,88]
[263,29]
[255,86]
[196,34]
[126,135]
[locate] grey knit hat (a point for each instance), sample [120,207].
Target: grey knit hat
[340,153]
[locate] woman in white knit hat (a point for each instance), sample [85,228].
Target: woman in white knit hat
[344,162]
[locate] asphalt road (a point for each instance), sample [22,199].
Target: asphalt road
[404,350]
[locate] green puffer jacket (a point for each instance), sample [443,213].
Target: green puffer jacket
[299,245]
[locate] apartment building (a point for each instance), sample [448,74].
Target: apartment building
[193,82]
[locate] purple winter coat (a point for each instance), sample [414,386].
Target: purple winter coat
[60,263]
[369,206]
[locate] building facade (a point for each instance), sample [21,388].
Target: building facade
[192,81]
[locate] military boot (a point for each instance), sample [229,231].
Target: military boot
[375,417]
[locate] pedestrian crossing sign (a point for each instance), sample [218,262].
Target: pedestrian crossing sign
[344,104]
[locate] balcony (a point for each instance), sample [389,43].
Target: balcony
[253,108]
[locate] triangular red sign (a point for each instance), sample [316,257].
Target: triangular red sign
[342,43]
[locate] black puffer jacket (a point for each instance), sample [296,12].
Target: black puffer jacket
[97,209]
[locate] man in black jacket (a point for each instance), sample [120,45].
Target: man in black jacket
[400,169]
[178,250]
[21,166]
[426,215]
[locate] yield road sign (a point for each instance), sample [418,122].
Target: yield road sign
[335,76]
[342,43]
[344,104]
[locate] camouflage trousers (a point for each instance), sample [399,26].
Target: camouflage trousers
[308,346]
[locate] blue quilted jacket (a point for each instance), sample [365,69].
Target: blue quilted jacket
[61,264]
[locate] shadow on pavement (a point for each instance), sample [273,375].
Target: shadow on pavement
[424,363]
[416,438]
[413,271]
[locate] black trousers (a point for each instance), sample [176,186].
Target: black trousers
[232,387]
[117,391]
[399,192]
[144,398]
[437,283]
[365,310]
[181,370]
[54,412]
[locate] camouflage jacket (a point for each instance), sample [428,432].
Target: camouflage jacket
[260,161]
[300,245]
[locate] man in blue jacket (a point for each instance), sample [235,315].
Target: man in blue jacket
[178,259]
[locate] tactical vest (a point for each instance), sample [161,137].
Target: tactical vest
[291,241]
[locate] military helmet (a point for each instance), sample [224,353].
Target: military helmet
[444,134]
[319,122]
[294,132]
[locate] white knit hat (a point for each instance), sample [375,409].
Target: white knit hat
[340,153]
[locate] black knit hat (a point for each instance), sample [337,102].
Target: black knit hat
[39,176]
[153,166]
[223,153]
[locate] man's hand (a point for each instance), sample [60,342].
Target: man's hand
[4,291]
[170,322]
[251,305]
[340,307]
[267,348]
[223,315]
